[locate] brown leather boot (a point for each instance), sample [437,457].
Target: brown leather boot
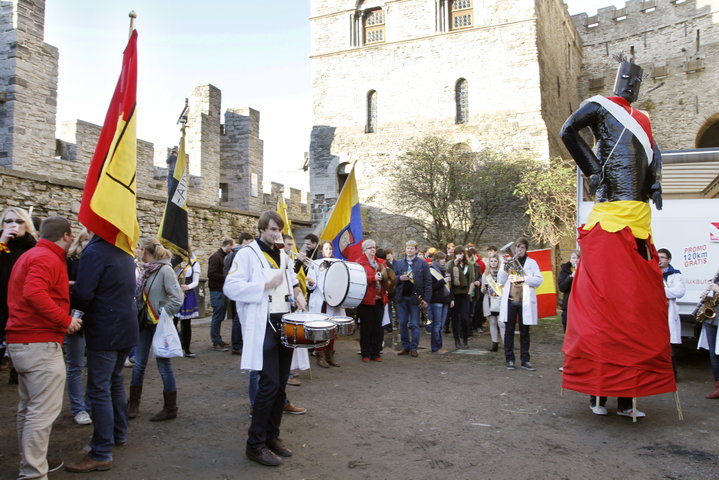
[133,404]
[321,356]
[330,355]
[169,409]
[715,393]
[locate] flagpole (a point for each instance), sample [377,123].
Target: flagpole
[132,16]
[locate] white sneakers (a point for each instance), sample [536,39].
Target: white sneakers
[598,410]
[630,413]
[83,418]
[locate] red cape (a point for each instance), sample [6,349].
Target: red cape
[617,339]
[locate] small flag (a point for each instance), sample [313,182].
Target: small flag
[546,292]
[282,210]
[174,233]
[344,227]
[109,202]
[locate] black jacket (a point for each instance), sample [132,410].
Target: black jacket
[565,283]
[215,270]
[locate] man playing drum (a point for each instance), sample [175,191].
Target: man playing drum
[261,281]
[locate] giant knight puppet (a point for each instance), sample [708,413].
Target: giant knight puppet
[617,339]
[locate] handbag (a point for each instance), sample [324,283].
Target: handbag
[143,319]
[166,341]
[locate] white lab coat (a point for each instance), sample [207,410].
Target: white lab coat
[674,288]
[245,285]
[704,342]
[532,279]
[318,290]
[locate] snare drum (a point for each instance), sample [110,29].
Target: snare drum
[345,325]
[345,284]
[320,330]
[294,334]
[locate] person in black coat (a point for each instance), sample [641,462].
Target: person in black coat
[566,276]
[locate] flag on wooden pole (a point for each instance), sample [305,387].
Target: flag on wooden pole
[174,233]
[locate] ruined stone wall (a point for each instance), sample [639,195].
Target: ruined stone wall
[28,86]
[677,44]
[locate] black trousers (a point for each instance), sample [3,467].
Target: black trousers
[267,411]
[185,332]
[514,314]
[371,332]
[461,322]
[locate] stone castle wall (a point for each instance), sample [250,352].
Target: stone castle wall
[677,45]
[414,73]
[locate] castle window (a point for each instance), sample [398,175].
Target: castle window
[461,99]
[224,192]
[374,26]
[343,173]
[461,14]
[371,112]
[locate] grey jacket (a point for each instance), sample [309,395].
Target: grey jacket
[164,290]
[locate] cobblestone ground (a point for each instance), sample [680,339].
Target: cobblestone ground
[457,416]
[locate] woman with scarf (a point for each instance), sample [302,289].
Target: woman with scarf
[462,271]
[492,300]
[16,237]
[441,299]
[371,310]
[157,289]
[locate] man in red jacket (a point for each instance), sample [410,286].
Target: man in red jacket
[39,304]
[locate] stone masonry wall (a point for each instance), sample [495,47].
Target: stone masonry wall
[202,140]
[242,158]
[684,102]
[28,83]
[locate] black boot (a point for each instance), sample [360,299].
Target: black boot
[133,404]
[169,409]
[457,344]
[495,347]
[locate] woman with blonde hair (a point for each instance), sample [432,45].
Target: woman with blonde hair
[16,237]
[157,289]
[75,342]
[492,290]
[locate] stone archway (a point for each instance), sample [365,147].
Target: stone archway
[708,134]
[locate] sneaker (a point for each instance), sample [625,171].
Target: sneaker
[510,366]
[377,359]
[598,410]
[630,413]
[292,410]
[223,344]
[365,359]
[83,418]
[190,355]
[528,366]
[129,362]
[561,369]
[441,351]
[294,381]
[220,348]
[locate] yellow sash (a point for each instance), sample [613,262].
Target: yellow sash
[493,284]
[271,261]
[614,216]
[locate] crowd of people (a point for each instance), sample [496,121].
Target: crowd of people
[74,300]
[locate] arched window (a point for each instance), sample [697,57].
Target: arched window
[371,112]
[708,135]
[343,172]
[461,99]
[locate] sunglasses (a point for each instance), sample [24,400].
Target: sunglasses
[13,220]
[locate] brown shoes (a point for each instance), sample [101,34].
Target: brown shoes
[413,353]
[88,464]
[278,448]
[263,456]
[293,410]
[404,351]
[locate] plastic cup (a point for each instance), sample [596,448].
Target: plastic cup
[74,313]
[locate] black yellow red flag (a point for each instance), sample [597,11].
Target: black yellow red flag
[109,202]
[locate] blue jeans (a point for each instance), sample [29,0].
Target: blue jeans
[142,353]
[439,315]
[236,332]
[408,313]
[219,309]
[75,357]
[106,390]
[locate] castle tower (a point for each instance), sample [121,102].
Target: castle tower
[241,160]
[491,74]
[202,141]
[28,87]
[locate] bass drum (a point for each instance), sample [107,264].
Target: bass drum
[345,284]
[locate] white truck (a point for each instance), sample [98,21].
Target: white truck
[687,227]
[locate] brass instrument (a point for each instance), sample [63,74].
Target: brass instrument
[707,307]
[512,265]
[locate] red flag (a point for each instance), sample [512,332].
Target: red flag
[546,292]
[109,203]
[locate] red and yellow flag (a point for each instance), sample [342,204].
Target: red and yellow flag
[109,202]
[547,291]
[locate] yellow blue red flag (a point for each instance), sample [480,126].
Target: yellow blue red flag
[344,228]
[109,202]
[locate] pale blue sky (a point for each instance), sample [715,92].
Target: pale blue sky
[257,53]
